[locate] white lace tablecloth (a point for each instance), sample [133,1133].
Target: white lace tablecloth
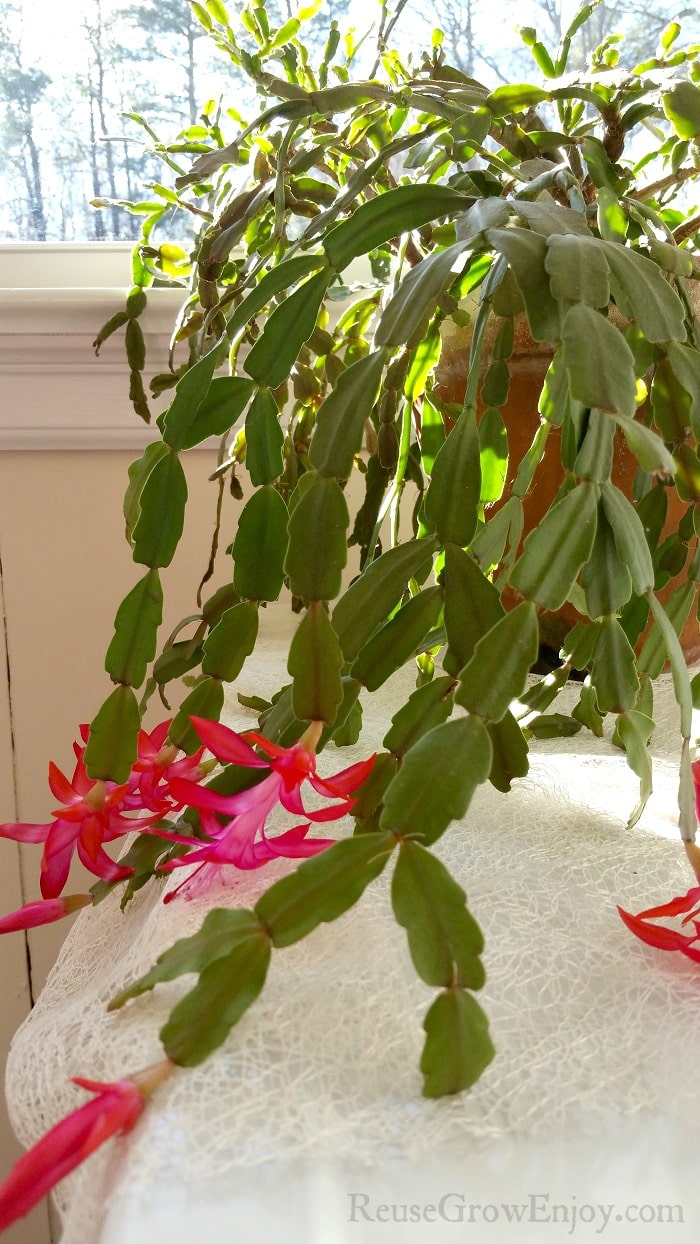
[315,1098]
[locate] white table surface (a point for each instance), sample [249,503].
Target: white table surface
[599,1108]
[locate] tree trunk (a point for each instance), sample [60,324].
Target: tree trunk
[100,232]
[191,93]
[36,193]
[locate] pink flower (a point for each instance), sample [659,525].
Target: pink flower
[93,813]
[695,766]
[157,763]
[43,911]
[659,935]
[243,840]
[113,1111]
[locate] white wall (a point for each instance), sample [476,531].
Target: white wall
[67,436]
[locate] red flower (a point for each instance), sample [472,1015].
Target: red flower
[93,813]
[695,766]
[114,1110]
[157,763]
[43,911]
[664,938]
[243,840]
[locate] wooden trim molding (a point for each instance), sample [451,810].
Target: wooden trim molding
[57,394]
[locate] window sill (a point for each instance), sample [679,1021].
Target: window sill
[58,394]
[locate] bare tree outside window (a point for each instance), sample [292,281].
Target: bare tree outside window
[64,138]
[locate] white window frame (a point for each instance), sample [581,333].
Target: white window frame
[54,296]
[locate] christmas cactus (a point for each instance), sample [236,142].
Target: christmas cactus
[340,236]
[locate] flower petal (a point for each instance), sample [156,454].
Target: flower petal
[42,911]
[675,907]
[295,845]
[19,832]
[60,787]
[100,865]
[655,934]
[347,781]
[225,743]
[196,796]
[55,861]
[291,800]
[159,734]
[115,1109]
[269,748]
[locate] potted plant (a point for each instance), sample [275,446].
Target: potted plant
[554,214]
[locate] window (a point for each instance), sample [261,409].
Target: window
[70,70]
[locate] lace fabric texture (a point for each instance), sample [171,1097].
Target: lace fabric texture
[588,1023]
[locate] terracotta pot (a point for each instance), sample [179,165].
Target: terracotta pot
[528,365]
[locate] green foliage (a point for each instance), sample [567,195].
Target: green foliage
[487,214]
[373,595]
[260,546]
[323,888]
[135,630]
[452,499]
[614,674]
[111,748]
[399,638]
[526,253]
[388,216]
[460,751]
[264,439]
[317,540]
[227,986]
[496,673]
[342,416]
[315,663]
[458,1048]
[443,937]
[218,936]
[509,752]
[556,550]
[426,707]
[226,399]
[610,385]
[472,607]
[162,501]
[205,700]
[606,580]
[288,327]
[230,642]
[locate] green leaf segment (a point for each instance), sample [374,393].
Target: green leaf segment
[542,235]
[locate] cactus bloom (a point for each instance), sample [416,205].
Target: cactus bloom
[113,1111]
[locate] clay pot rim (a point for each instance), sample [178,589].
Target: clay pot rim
[455,337]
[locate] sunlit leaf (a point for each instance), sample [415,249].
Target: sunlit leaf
[557,548]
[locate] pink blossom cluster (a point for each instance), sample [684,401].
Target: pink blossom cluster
[95,813]
[162,783]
